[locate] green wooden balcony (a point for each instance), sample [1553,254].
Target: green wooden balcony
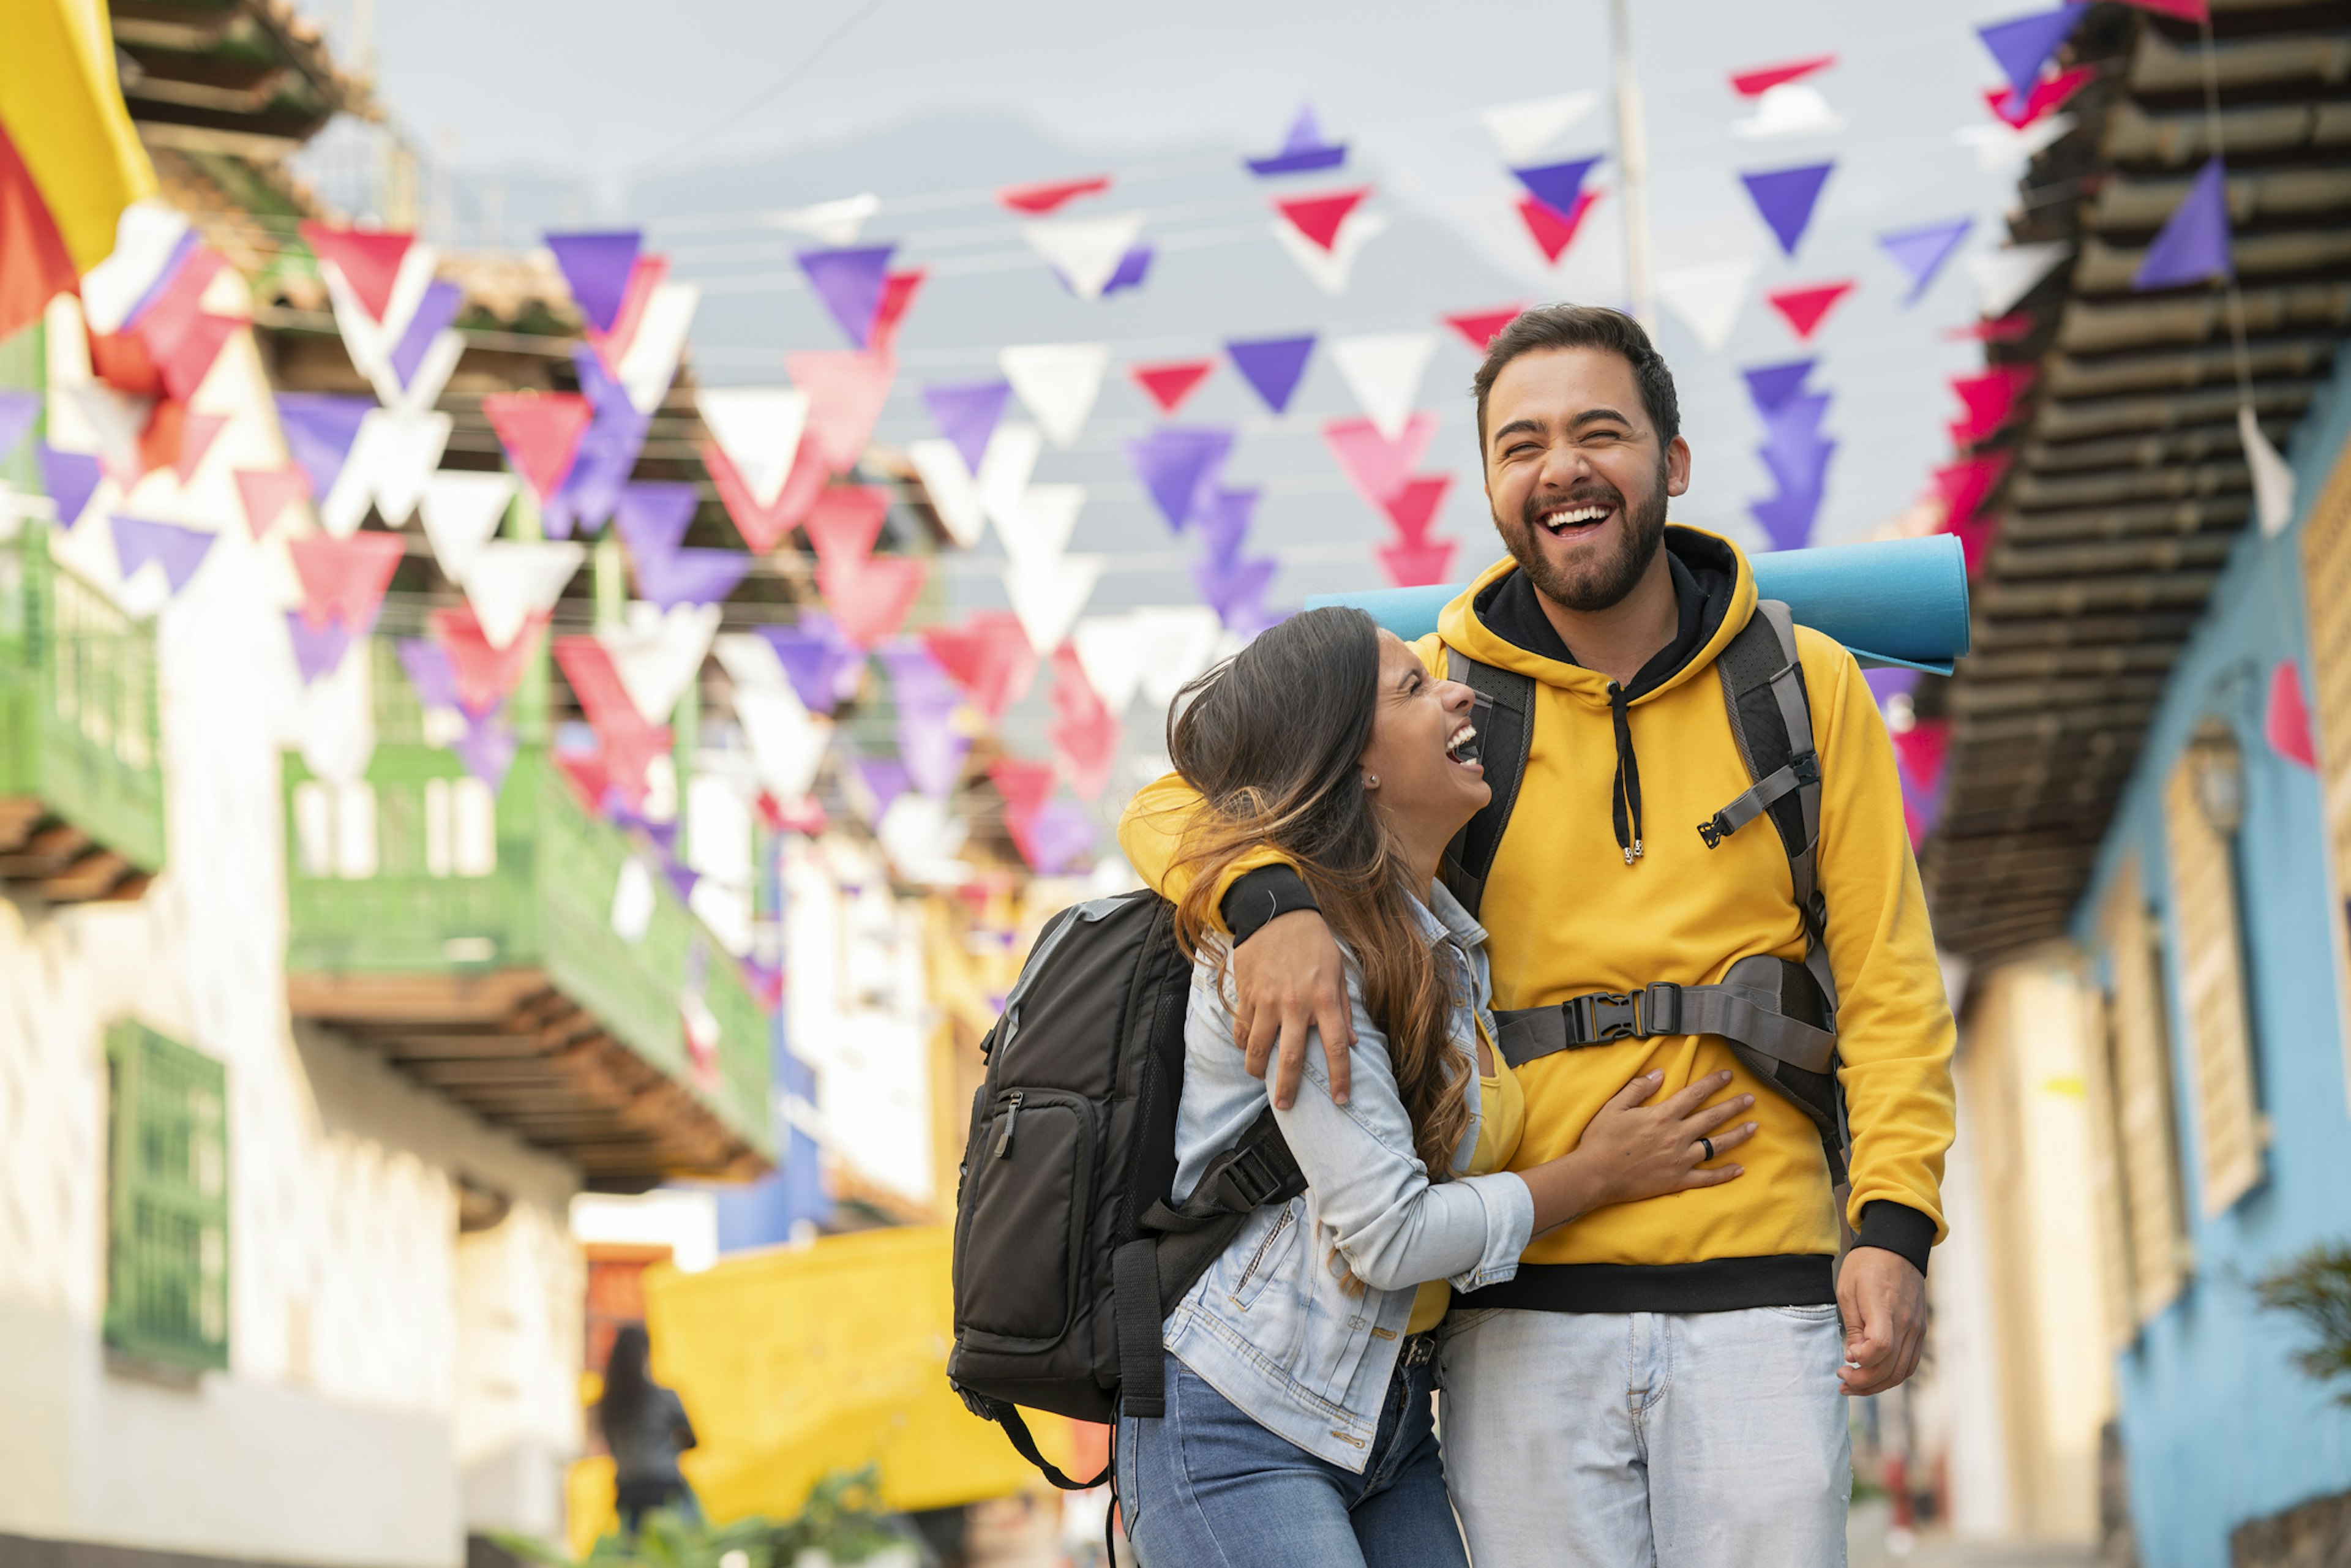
[472,941]
[81,793]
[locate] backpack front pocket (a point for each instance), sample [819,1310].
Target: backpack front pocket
[1025,1203]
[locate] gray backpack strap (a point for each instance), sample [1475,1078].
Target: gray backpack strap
[1506,734]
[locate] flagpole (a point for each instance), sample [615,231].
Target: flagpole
[1632,161]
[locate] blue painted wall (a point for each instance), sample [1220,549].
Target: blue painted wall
[2219,1423]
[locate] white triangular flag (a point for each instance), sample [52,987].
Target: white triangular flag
[657,655]
[759,429]
[370,342]
[2003,277]
[146,237]
[2002,149]
[1049,596]
[1085,251]
[748,659]
[1791,109]
[1173,643]
[787,742]
[836,223]
[1523,129]
[391,458]
[1038,531]
[1331,269]
[432,374]
[1707,297]
[98,419]
[1005,467]
[510,580]
[922,836]
[2272,480]
[1383,370]
[461,511]
[1056,383]
[953,493]
[1112,657]
[651,362]
[334,725]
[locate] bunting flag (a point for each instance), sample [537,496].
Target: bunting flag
[344,579]
[2048,95]
[948,483]
[1222,521]
[1554,231]
[1707,297]
[845,391]
[651,518]
[425,354]
[931,744]
[2285,716]
[653,514]
[1522,130]
[488,749]
[1989,399]
[1133,267]
[1176,643]
[2192,247]
[1803,308]
[824,667]
[2007,329]
[657,653]
[1179,467]
[2272,479]
[606,457]
[197,432]
[175,552]
[1107,647]
[850,283]
[967,413]
[1085,732]
[320,428]
[2022,45]
[320,650]
[1036,529]
[462,512]
[1234,589]
[628,743]
[369,260]
[846,522]
[1921,252]
[1011,457]
[1026,786]
[1790,108]
[1271,366]
[1050,195]
[764,527]
[429,672]
[1559,186]
[989,656]
[1330,269]
[1785,199]
[2002,150]
[898,291]
[266,493]
[836,223]
[388,465]
[788,743]
[1964,487]
[759,429]
[613,344]
[18,410]
[598,268]
[151,242]
[1057,839]
[1304,149]
[870,599]
[1377,466]
[1414,507]
[1756,83]
[1421,564]
[510,582]
[486,674]
[1787,518]
[2003,277]
[651,362]
[883,780]
[1479,329]
[1383,370]
[1170,384]
[1085,251]
[1056,383]
[1049,596]
[541,433]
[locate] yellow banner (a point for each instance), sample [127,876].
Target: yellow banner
[62,105]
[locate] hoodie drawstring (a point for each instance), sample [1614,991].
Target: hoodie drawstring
[1626,805]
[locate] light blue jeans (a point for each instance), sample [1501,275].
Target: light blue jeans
[1649,1439]
[1206,1487]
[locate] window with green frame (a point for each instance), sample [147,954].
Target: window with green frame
[167,1166]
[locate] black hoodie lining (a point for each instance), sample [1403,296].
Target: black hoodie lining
[1706,575]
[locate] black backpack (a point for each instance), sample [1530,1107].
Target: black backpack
[1069,1254]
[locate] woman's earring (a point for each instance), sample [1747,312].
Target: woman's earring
[1371,780]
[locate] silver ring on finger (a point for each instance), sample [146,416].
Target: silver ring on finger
[1709,1145]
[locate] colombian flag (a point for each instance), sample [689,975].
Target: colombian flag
[69,159]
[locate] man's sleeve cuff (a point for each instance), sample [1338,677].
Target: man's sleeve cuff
[1898,1229]
[1259,895]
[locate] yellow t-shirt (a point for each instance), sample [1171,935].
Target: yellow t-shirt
[1502,1118]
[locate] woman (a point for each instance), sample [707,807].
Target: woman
[1298,1425]
[645,1428]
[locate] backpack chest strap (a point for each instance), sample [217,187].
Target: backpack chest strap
[1759,1005]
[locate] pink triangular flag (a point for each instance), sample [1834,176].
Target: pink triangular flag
[1377,466]
[764,527]
[369,262]
[1169,384]
[2286,722]
[1416,565]
[989,656]
[1478,327]
[344,579]
[846,391]
[1026,786]
[541,433]
[1554,231]
[845,521]
[1048,195]
[1804,307]
[870,599]
[197,432]
[1318,217]
[1414,504]
[267,492]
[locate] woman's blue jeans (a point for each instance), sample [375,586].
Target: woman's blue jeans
[1206,1487]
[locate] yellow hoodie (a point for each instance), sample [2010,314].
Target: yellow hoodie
[1567,915]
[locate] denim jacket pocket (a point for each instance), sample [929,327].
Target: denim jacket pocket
[1262,1261]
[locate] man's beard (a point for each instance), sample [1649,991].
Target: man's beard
[1602,583]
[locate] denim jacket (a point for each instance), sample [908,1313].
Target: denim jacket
[1273,1324]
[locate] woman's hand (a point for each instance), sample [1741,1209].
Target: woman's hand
[1631,1150]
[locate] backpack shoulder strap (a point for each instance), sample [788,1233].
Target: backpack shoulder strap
[1506,713]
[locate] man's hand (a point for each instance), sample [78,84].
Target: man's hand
[1288,977]
[1882,1297]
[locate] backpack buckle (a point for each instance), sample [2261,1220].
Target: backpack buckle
[1249,1179]
[1601,1016]
[1661,1008]
[1714,830]
[1806,768]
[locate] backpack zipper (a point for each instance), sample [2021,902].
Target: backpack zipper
[1011,1115]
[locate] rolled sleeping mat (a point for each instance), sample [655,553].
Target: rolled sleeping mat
[1901,602]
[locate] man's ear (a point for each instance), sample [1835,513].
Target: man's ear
[1678,466]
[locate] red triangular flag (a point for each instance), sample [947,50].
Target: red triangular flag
[2045,96]
[190,357]
[1964,486]
[344,579]
[35,266]
[1045,196]
[1478,327]
[764,527]
[267,492]
[121,361]
[588,777]
[648,274]
[1803,307]
[845,521]
[1756,83]
[541,433]
[369,262]
[1086,748]
[1318,217]
[2286,722]
[1025,786]
[1169,384]
[160,440]
[1414,508]
[486,676]
[1921,749]
[989,656]
[1416,565]
[1990,398]
[2005,330]
[1553,230]
[898,290]
[870,599]
[197,432]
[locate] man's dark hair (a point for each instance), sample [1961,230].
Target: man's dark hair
[1584,327]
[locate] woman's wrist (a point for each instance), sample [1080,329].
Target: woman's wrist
[1563,1189]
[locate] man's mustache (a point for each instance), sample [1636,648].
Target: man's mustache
[1598,494]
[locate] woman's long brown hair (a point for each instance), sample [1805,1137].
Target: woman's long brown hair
[1272,738]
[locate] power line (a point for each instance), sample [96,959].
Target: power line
[766,95]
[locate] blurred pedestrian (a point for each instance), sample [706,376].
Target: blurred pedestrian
[645,1426]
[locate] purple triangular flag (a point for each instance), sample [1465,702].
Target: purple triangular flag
[599,385]
[932,750]
[1179,465]
[2022,45]
[1889,681]
[178,550]
[429,672]
[917,683]
[823,665]
[885,781]
[434,313]
[1058,835]
[1229,587]
[607,457]
[1797,417]
[1303,149]
[1786,198]
[1787,520]
[69,477]
[1769,386]
[1557,185]
[317,650]
[850,283]
[597,266]
[17,412]
[2193,247]
[1272,366]
[1223,522]
[1921,252]
[487,747]
[966,413]
[1801,464]
[691,576]
[653,514]
[319,429]
[681,879]
[1132,268]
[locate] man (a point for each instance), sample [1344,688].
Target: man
[1661,1383]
